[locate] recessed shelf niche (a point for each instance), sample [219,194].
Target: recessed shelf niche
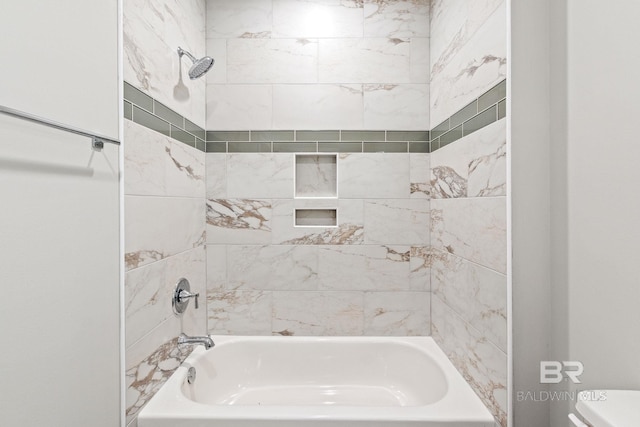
[316,217]
[316,176]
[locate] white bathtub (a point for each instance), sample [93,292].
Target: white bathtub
[313,381]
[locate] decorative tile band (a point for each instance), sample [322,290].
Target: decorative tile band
[146,111]
[482,111]
[318,141]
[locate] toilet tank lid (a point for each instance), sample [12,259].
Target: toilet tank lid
[610,408]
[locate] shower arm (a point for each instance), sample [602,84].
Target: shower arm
[184,52]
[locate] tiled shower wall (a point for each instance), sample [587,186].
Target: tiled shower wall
[468,206]
[330,64]
[368,275]
[153,31]
[468,52]
[164,241]
[319,65]
[164,182]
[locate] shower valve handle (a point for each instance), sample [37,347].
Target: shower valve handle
[183,295]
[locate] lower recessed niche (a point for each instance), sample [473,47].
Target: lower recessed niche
[316,217]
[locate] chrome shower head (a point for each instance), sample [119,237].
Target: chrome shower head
[199,67]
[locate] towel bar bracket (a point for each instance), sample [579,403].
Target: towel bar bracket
[97,144]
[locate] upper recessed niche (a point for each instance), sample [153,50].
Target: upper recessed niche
[316,175]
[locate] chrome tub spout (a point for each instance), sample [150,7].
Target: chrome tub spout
[206,341]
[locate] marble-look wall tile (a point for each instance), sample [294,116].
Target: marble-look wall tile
[164,187]
[468,222]
[149,363]
[326,106]
[217,49]
[401,221]
[149,290]
[238,221]
[481,363]
[239,107]
[454,24]
[191,265]
[365,268]
[317,313]
[245,19]
[216,167]
[396,18]
[349,230]
[419,61]
[473,166]
[474,229]
[488,165]
[397,313]
[145,379]
[153,31]
[272,60]
[144,160]
[300,64]
[420,264]
[388,106]
[476,67]
[180,222]
[419,181]
[365,60]
[447,180]
[266,274]
[326,18]
[145,290]
[216,268]
[239,312]
[272,267]
[260,175]
[374,175]
[477,294]
[156,165]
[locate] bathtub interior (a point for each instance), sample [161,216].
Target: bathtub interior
[317,382]
[316,372]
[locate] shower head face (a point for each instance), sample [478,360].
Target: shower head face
[200,67]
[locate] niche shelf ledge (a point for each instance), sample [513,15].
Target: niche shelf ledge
[316,217]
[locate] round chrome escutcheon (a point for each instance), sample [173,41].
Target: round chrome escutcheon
[180,304]
[191,375]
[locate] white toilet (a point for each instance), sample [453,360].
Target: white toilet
[608,408]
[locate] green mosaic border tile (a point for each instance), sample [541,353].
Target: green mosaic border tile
[482,111]
[148,112]
[319,141]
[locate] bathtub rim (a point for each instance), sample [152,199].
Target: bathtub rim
[170,400]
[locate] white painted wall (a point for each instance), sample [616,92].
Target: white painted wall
[59,221]
[60,62]
[603,206]
[59,272]
[581,280]
[529,182]
[559,342]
